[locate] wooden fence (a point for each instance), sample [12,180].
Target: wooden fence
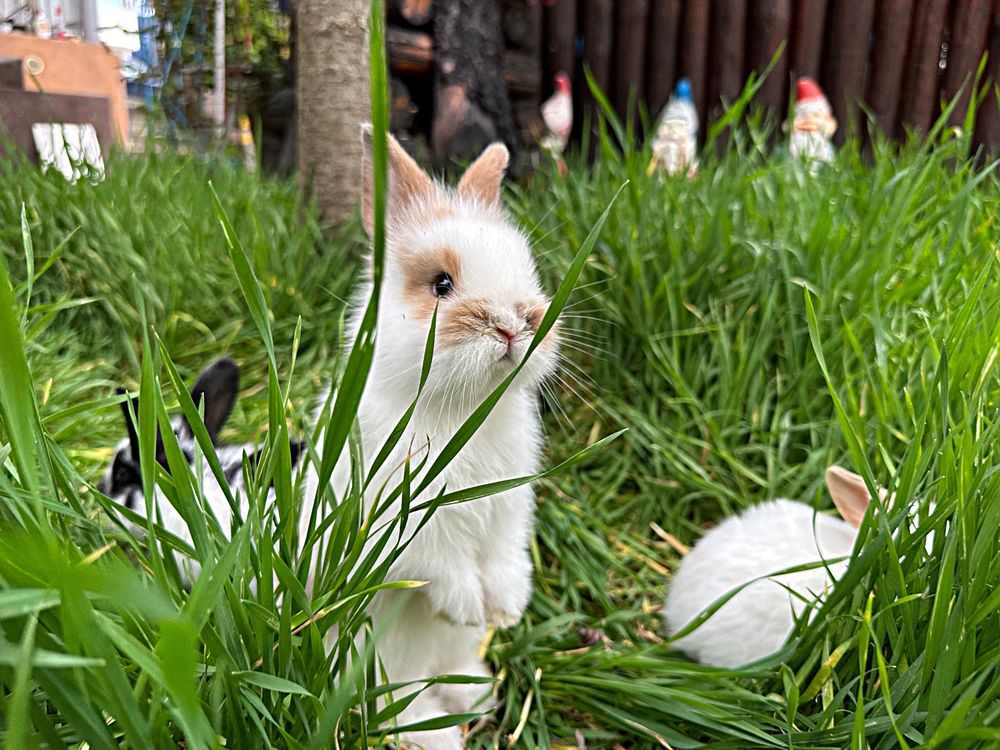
[900,58]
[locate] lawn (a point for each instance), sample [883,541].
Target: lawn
[748,328]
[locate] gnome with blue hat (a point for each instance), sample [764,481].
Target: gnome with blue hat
[676,143]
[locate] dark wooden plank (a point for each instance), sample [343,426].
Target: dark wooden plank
[892,34]
[921,89]
[598,39]
[694,52]
[769,24]
[967,42]
[630,52]
[728,41]
[522,25]
[19,110]
[988,122]
[523,73]
[662,56]
[807,38]
[597,26]
[10,74]
[560,40]
[410,52]
[403,110]
[845,61]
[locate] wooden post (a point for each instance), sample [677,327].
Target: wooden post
[661,72]
[892,32]
[968,39]
[560,40]
[807,38]
[920,100]
[728,37]
[988,122]
[844,68]
[597,25]
[598,29]
[694,52]
[219,75]
[769,25]
[630,52]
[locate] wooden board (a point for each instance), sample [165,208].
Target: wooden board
[892,33]
[19,110]
[921,89]
[663,55]
[769,24]
[72,67]
[968,37]
[845,63]
[807,38]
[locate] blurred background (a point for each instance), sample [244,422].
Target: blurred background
[258,78]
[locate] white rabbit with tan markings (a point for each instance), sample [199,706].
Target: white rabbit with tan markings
[456,251]
[761,541]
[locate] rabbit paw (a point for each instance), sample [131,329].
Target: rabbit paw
[458,599]
[506,597]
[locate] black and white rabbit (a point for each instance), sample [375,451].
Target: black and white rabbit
[217,387]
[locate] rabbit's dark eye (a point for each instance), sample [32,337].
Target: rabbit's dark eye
[443,285]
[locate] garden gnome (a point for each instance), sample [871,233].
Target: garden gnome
[676,140]
[813,124]
[557,114]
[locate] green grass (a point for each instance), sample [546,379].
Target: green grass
[748,328]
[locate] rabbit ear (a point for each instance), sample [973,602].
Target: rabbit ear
[849,493]
[481,181]
[219,385]
[133,434]
[407,181]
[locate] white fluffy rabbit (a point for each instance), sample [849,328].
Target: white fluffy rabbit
[455,249]
[218,386]
[764,539]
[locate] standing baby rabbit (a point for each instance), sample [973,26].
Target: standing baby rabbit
[454,250]
[217,387]
[764,539]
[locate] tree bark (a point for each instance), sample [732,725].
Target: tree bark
[333,101]
[472,106]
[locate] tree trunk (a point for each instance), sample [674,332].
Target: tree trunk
[333,101]
[472,106]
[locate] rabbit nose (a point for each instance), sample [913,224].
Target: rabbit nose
[506,334]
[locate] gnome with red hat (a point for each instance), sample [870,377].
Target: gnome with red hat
[557,114]
[813,124]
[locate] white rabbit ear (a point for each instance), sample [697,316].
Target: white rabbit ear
[481,181]
[407,181]
[849,493]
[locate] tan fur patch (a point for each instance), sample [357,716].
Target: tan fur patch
[421,271]
[481,181]
[532,314]
[465,317]
[408,183]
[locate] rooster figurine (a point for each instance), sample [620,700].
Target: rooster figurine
[557,114]
[813,125]
[676,140]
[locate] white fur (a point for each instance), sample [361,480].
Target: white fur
[474,555]
[757,621]
[167,516]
